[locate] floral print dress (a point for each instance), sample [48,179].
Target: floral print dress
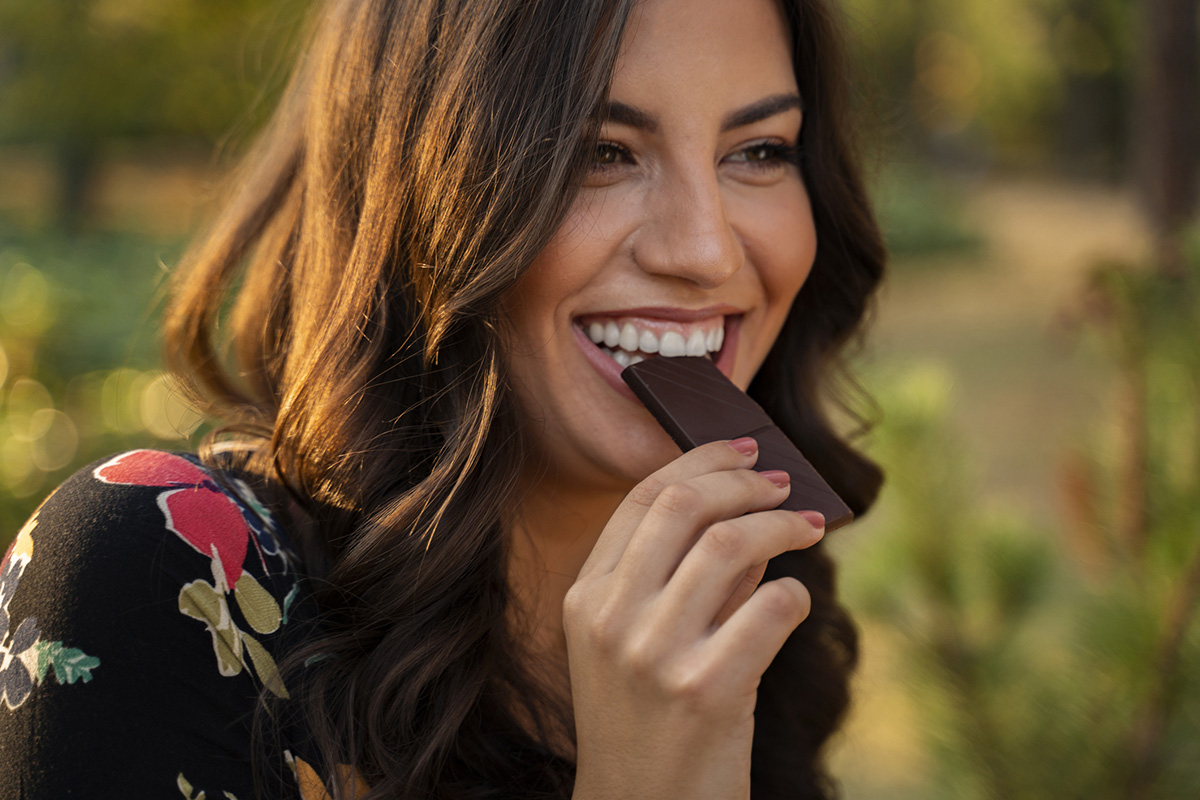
[143,609]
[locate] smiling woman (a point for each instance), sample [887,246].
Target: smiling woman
[450,554]
[693,220]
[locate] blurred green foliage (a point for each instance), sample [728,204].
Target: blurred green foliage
[921,213]
[1023,82]
[77,76]
[91,70]
[1055,658]
[78,360]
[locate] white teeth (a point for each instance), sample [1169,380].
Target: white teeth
[672,345]
[636,360]
[622,342]
[629,337]
[612,334]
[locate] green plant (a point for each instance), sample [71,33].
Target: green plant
[1058,659]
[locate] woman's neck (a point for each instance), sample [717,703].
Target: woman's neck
[551,537]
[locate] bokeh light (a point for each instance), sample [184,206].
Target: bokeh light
[948,77]
[25,399]
[25,300]
[165,413]
[58,441]
[121,400]
[18,472]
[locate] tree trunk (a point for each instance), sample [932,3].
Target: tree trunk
[77,168]
[1168,123]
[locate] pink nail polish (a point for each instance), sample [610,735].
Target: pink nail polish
[778,477]
[746,446]
[814,518]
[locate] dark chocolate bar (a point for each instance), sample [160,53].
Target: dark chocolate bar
[695,404]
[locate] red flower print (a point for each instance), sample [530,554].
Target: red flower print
[212,527]
[196,509]
[213,523]
[151,468]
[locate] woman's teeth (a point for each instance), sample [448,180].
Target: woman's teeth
[627,344]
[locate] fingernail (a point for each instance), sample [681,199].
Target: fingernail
[778,477]
[815,518]
[746,446]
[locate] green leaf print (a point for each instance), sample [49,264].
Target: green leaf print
[202,601]
[287,601]
[257,605]
[186,789]
[70,663]
[43,659]
[265,666]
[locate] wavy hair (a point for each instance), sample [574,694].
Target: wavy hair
[342,314]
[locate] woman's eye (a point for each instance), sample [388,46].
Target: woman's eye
[766,155]
[760,153]
[609,154]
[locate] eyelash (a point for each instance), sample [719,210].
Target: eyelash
[776,154]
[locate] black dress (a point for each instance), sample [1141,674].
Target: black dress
[143,608]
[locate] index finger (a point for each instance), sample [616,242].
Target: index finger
[711,457]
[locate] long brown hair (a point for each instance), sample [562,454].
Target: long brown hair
[423,155]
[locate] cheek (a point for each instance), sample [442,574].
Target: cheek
[576,258]
[528,309]
[523,305]
[533,303]
[788,248]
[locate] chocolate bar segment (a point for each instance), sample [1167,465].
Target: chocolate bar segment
[695,404]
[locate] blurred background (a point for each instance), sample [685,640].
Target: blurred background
[1027,586]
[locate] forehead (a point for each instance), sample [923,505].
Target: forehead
[726,47]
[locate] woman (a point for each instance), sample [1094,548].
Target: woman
[446,546]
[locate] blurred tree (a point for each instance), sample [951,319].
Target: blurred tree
[78,74]
[1070,83]
[1095,54]
[1169,123]
[968,78]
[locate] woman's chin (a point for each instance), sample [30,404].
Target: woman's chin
[615,465]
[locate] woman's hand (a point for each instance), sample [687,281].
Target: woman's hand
[667,637]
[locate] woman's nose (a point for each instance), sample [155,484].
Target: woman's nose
[687,232]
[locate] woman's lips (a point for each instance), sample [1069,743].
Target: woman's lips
[658,335]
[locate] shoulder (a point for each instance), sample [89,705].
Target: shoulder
[130,548]
[150,502]
[167,588]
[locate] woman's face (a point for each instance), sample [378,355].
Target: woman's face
[692,234]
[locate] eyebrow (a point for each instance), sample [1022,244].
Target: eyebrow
[762,109]
[625,114]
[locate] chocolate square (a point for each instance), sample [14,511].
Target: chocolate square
[695,404]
